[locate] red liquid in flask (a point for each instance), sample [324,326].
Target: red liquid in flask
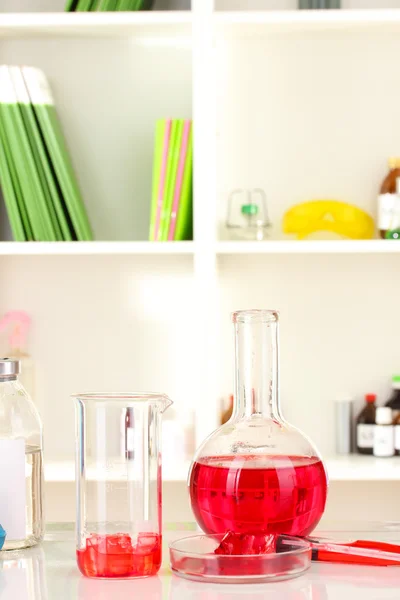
[255,493]
[114,556]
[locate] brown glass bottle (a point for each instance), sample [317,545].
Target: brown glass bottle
[389,186]
[365,426]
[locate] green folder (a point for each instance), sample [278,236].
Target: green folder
[124,5]
[10,198]
[28,234]
[24,162]
[167,186]
[158,151]
[55,201]
[47,182]
[108,5]
[184,221]
[84,6]
[71,5]
[53,137]
[175,147]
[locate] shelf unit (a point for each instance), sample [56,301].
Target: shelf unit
[168,304]
[339,468]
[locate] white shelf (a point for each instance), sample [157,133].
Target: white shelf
[358,467]
[147,23]
[64,472]
[340,468]
[252,22]
[310,247]
[88,248]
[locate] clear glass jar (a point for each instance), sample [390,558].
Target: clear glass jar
[21,462]
[257,473]
[118,475]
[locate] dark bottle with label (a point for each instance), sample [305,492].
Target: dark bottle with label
[389,199]
[394,400]
[394,404]
[366,426]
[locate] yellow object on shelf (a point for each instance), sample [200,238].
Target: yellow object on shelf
[328,215]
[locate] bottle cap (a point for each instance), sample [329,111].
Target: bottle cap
[396,382]
[394,162]
[9,368]
[250,209]
[384,415]
[370,398]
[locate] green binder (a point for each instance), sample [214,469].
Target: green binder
[84,6]
[28,234]
[23,158]
[71,5]
[10,198]
[176,141]
[43,104]
[55,201]
[158,151]
[184,221]
[38,151]
[168,176]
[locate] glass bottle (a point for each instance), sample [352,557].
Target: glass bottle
[394,400]
[257,473]
[21,462]
[366,426]
[389,199]
[118,477]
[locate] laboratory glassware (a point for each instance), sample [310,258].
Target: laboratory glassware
[118,474]
[257,473]
[21,462]
[247,216]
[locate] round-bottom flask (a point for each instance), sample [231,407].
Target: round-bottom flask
[257,473]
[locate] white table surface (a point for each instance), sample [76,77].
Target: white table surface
[49,572]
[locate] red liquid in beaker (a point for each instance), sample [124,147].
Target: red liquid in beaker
[115,556]
[255,493]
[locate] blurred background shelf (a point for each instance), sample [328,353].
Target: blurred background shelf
[363,468]
[81,24]
[93,248]
[64,472]
[350,468]
[310,247]
[288,21]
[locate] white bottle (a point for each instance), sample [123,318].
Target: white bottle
[384,432]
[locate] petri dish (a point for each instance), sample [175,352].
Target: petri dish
[194,558]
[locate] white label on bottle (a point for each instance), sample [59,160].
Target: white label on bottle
[365,436]
[388,211]
[130,439]
[384,440]
[12,488]
[397,437]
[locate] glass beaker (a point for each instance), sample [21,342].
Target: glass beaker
[257,473]
[118,474]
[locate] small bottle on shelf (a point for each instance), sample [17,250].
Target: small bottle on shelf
[384,433]
[366,425]
[394,400]
[389,199]
[396,424]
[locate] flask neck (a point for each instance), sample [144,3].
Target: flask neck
[256,364]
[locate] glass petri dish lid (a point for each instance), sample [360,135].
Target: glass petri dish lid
[194,558]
